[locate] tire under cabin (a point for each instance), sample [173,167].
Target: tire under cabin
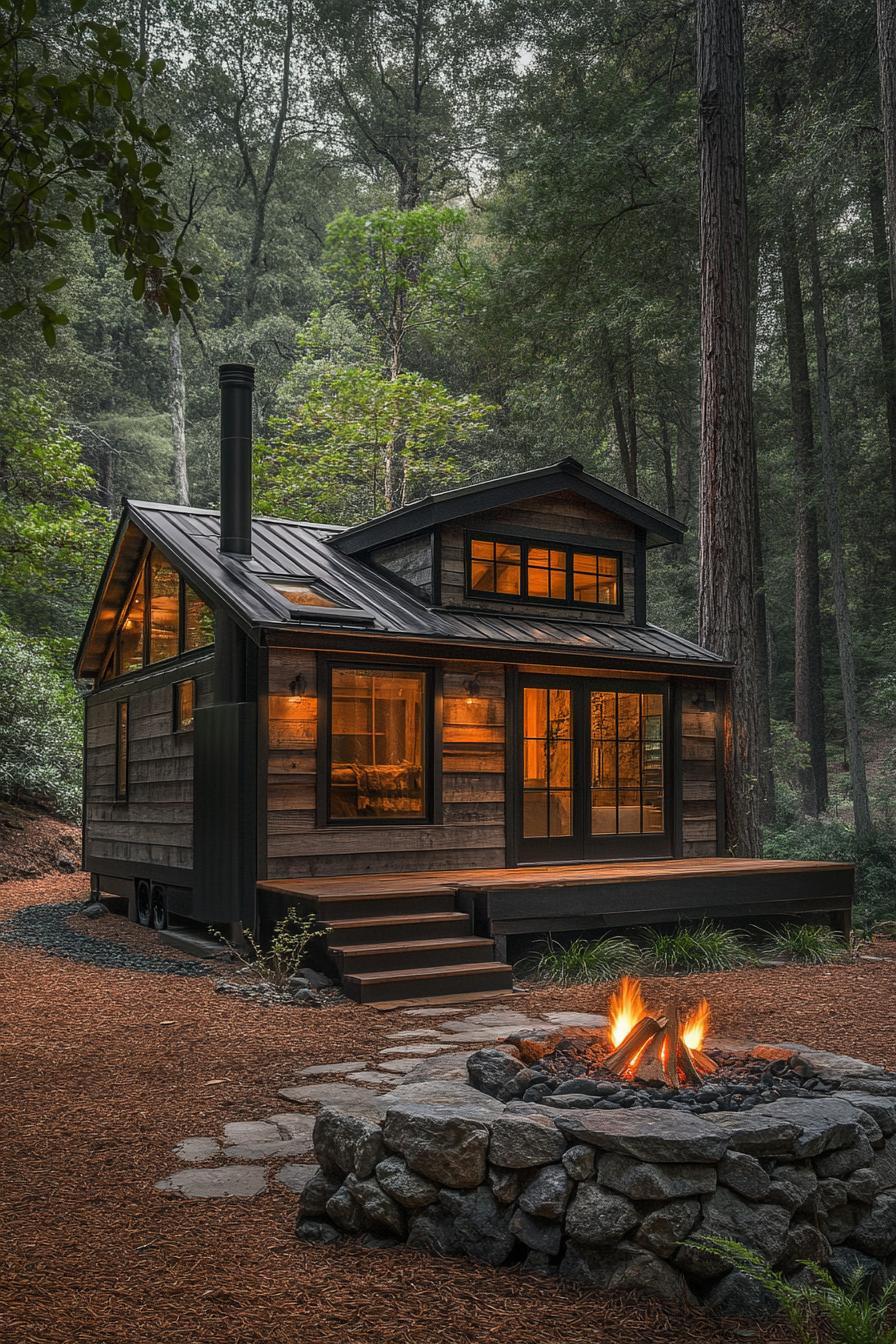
[445,732]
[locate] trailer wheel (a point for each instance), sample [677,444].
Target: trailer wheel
[159,908]
[144,904]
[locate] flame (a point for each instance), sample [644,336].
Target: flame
[626,1008]
[695,1026]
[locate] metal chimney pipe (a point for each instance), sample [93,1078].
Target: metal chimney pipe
[236,382]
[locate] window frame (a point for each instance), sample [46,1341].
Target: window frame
[122,707]
[570,548]
[432,744]
[177,726]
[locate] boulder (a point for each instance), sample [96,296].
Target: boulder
[875,1233]
[881,1109]
[579,1161]
[831,1193]
[862,1185]
[846,1265]
[744,1174]
[505,1183]
[313,1229]
[792,1184]
[840,1222]
[447,1145]
[804,1242]
[377,1205]
[883,1164]
[736,1294]
[761,1227]
[547,1194]
[347,1141]
[410,1190]
[627,1268]
[825,1123]
[652,1135]
[346,1213]
[537,1233]
[432,1230]
[653,1180]
[598,1217]
[313,1199]
[666,1227]
[748,1132]
[539,1262]
[481,1225]
[525,1141]
[491,1071]
[844,1161]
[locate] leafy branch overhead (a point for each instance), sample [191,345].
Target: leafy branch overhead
[78,153]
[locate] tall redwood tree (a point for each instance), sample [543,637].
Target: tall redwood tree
[727,500]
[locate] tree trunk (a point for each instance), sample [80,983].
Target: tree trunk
[631,416]
[858,777]
[726,578]
[629,470]
[886,54]
[177,397]
[808,687]
[763,660]
[668,467]
[884,313]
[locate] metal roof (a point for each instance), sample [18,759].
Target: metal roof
[364,598]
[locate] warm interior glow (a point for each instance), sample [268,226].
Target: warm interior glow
[695,1026]
[626,1008]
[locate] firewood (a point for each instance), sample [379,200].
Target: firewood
[639,1036]
[673,1041]
[689,1068]
[703,1062]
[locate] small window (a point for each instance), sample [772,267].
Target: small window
[378,746]
[121,750]
[184,704]
[199,621]
[546,573]
[495,567]
[302,595]
[130,636]
[164,608]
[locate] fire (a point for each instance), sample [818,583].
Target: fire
[626,1008]
[695,1026]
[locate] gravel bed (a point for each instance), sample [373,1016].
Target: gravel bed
[47,928]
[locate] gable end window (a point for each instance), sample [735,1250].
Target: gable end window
[122,743]
[530,571]
[162,618]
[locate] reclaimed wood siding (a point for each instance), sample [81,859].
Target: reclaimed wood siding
[155,824]
[471,833]
[700,784]
[564,514]
[410,561]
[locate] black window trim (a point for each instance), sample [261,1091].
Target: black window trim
[432,754]
[121,796]
[570,548]
[176,725]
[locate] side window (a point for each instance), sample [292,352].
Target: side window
[184,704]
[122,743]
[164,609]
[164,617]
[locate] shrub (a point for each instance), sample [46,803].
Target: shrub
[274,966]
[875,860]
[708,947]
[814,944]
[581,962]
[40,727]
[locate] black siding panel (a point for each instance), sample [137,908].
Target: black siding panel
[224,814]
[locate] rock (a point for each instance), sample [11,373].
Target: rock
[316,979]
[330,1094]
[847,1264]
[736,1294]
[862,1185]
[748,1132]
[297,1175]
[410,1190]
[663,1230]
[881,1109]
[831,1193]
[651,1180]
[450,1067]
[196,1150]
[402,1066]
[825,1123]
[216,1182]
[579,1161]
[346,1212]
[537,1233]
[884,1164]
[525,1141]
[303,994]
[432,1230]
[761,1227]
[492,1070]
[481,1225]
[446,1145]
[345,1141]
[377,1241]
[576,1019]
[539,1262]
[251,1131]
[444,1092]
[534,1043]
[598,1217]
[317,1192]
[875,1233]
[370,1076]
[322,1070]
[547,1194]
[792,1184]
[653,1136]
[568,1102]
[804,1242]
[376,1204]
[626,1268]
[843,1161]
[266,1151]
[743,1174]
[505,1183]
[312,1229]
[96,909]
[292,1125]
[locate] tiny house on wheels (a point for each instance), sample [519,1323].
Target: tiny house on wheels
[440,729]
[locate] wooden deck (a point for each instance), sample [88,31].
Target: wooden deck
[426,934]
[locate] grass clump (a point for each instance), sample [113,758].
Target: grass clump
[818,1310]
[706,947]
[812,944]
[581,962]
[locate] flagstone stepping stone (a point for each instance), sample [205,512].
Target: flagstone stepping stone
[216,1182]
[251,1131]
[577,1019]
[397,1065]
[350,1066]
[416,1033]
[497,1017]
[442,1092]
[325,1094]
[466,1032]
[370,1076]
[266,1150]
[293,1125]
[296,1175]
[429,1012]
[419,1048]
[448,1068]
[197,1149]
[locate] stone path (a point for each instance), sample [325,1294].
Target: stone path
[277,1148]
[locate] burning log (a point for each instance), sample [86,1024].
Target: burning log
[626,1053]
[661,1049]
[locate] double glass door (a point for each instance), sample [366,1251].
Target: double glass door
[592,770]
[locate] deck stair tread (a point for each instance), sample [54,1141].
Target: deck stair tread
[431,972]
[390,921]
[411,944]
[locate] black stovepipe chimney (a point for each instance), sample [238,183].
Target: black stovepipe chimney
[236,382]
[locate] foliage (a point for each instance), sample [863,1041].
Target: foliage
[40,727]
[291,937]
[816,1308]
[77,151]
[814,944]
[789,756]
[685,951]
[581,962]
[875,860]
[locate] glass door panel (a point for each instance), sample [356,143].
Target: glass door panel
[627,763]
[547,762]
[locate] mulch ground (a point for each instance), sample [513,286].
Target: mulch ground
[103,1072]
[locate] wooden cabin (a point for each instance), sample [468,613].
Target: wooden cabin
[440,729]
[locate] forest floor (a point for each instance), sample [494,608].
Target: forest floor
[104,1070]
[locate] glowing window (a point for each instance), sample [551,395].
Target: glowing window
[164,608]
[199,621]
[303,595]
[378,722]
[495,567]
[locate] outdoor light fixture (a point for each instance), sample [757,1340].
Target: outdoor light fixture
[298,686]
[473,689]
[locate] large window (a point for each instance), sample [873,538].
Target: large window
[626,763]
[379,724]
[164,608]
[531,571]
[164,617]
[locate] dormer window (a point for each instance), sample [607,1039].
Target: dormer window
[551,574]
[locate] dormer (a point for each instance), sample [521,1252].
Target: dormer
[553,543]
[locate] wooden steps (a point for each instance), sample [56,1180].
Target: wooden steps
[401,941]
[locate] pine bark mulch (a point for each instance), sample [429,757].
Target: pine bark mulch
[102,1073]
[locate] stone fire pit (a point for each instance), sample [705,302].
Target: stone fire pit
[568,1175]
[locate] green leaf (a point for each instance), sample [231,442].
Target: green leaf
[48,331]
[88,220]
[52,285]
[13,310]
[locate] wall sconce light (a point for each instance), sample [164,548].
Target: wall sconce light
[298,686]
[700,700]
[473,689]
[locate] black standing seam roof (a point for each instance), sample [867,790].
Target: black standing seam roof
[366,599]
